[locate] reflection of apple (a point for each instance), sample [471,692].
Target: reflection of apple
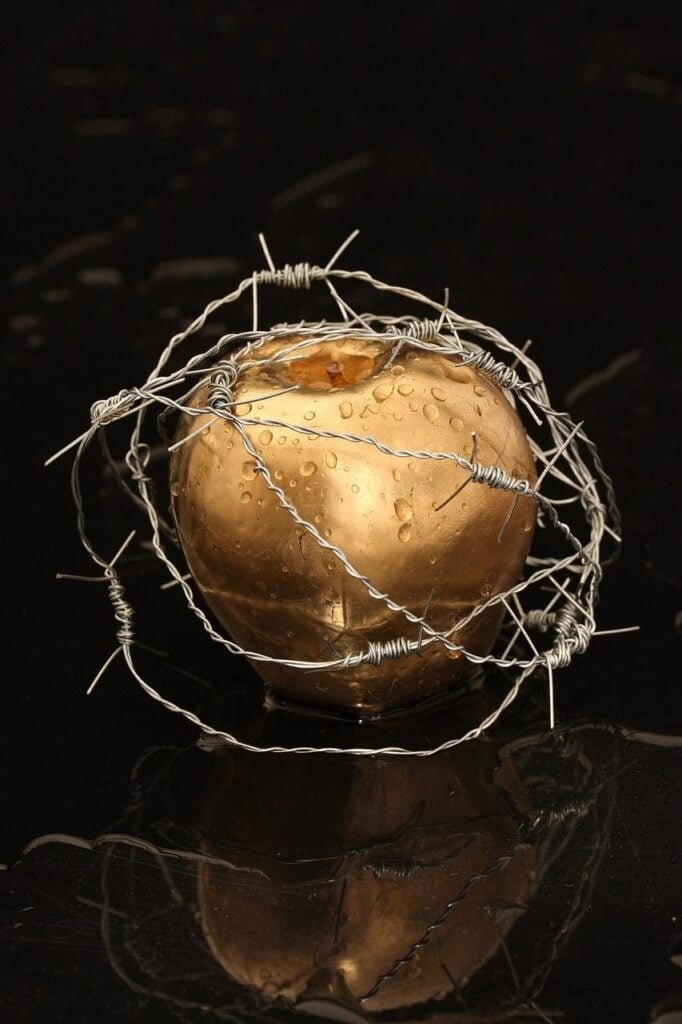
[324,873]
[277,591]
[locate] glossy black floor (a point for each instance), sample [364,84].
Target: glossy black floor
[526,159]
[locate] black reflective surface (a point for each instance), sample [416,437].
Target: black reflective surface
[525,159]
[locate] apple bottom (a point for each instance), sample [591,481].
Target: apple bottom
[365,689]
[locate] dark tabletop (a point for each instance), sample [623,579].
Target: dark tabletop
[525,156]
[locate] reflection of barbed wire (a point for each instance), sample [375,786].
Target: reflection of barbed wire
[570,794]
[568,459]
[573,803]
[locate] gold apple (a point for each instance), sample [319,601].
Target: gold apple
[277,591]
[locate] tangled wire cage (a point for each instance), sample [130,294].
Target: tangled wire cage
[567,457]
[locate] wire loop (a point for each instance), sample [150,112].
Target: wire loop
[567,459]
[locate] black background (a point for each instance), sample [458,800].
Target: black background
[525,156]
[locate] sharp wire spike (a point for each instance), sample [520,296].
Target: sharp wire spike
[266,252]
[525,348]
[550,674]
[122,548]
[474,449]
[103,669]
[342,248]
[446,304]
[420,634]
[65,449]
[81,579]
[559,452]
[507,518]
[188,437]
[254,304]
[613,632]
[174,583]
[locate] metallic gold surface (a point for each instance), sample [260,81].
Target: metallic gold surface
[276,591]
[325,874]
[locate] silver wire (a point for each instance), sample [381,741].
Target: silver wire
[570,460]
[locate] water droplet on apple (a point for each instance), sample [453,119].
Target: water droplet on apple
[431,413]
[405,389]
[404,533]
[383,391]
[249,470]
[438,394]
[346,410]
[396,475]
[331,460]
[479,390]
[175,489]
[355,489]
[243,409]
[456,423]
[403,510]
[310,415]
[245,497]
[308,468]
[265,437]
[397,370]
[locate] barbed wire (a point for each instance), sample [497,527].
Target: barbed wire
[570,459]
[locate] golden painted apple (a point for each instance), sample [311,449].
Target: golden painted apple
[277,591]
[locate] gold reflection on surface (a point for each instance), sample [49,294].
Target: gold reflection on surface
[278,592]
[379,884]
